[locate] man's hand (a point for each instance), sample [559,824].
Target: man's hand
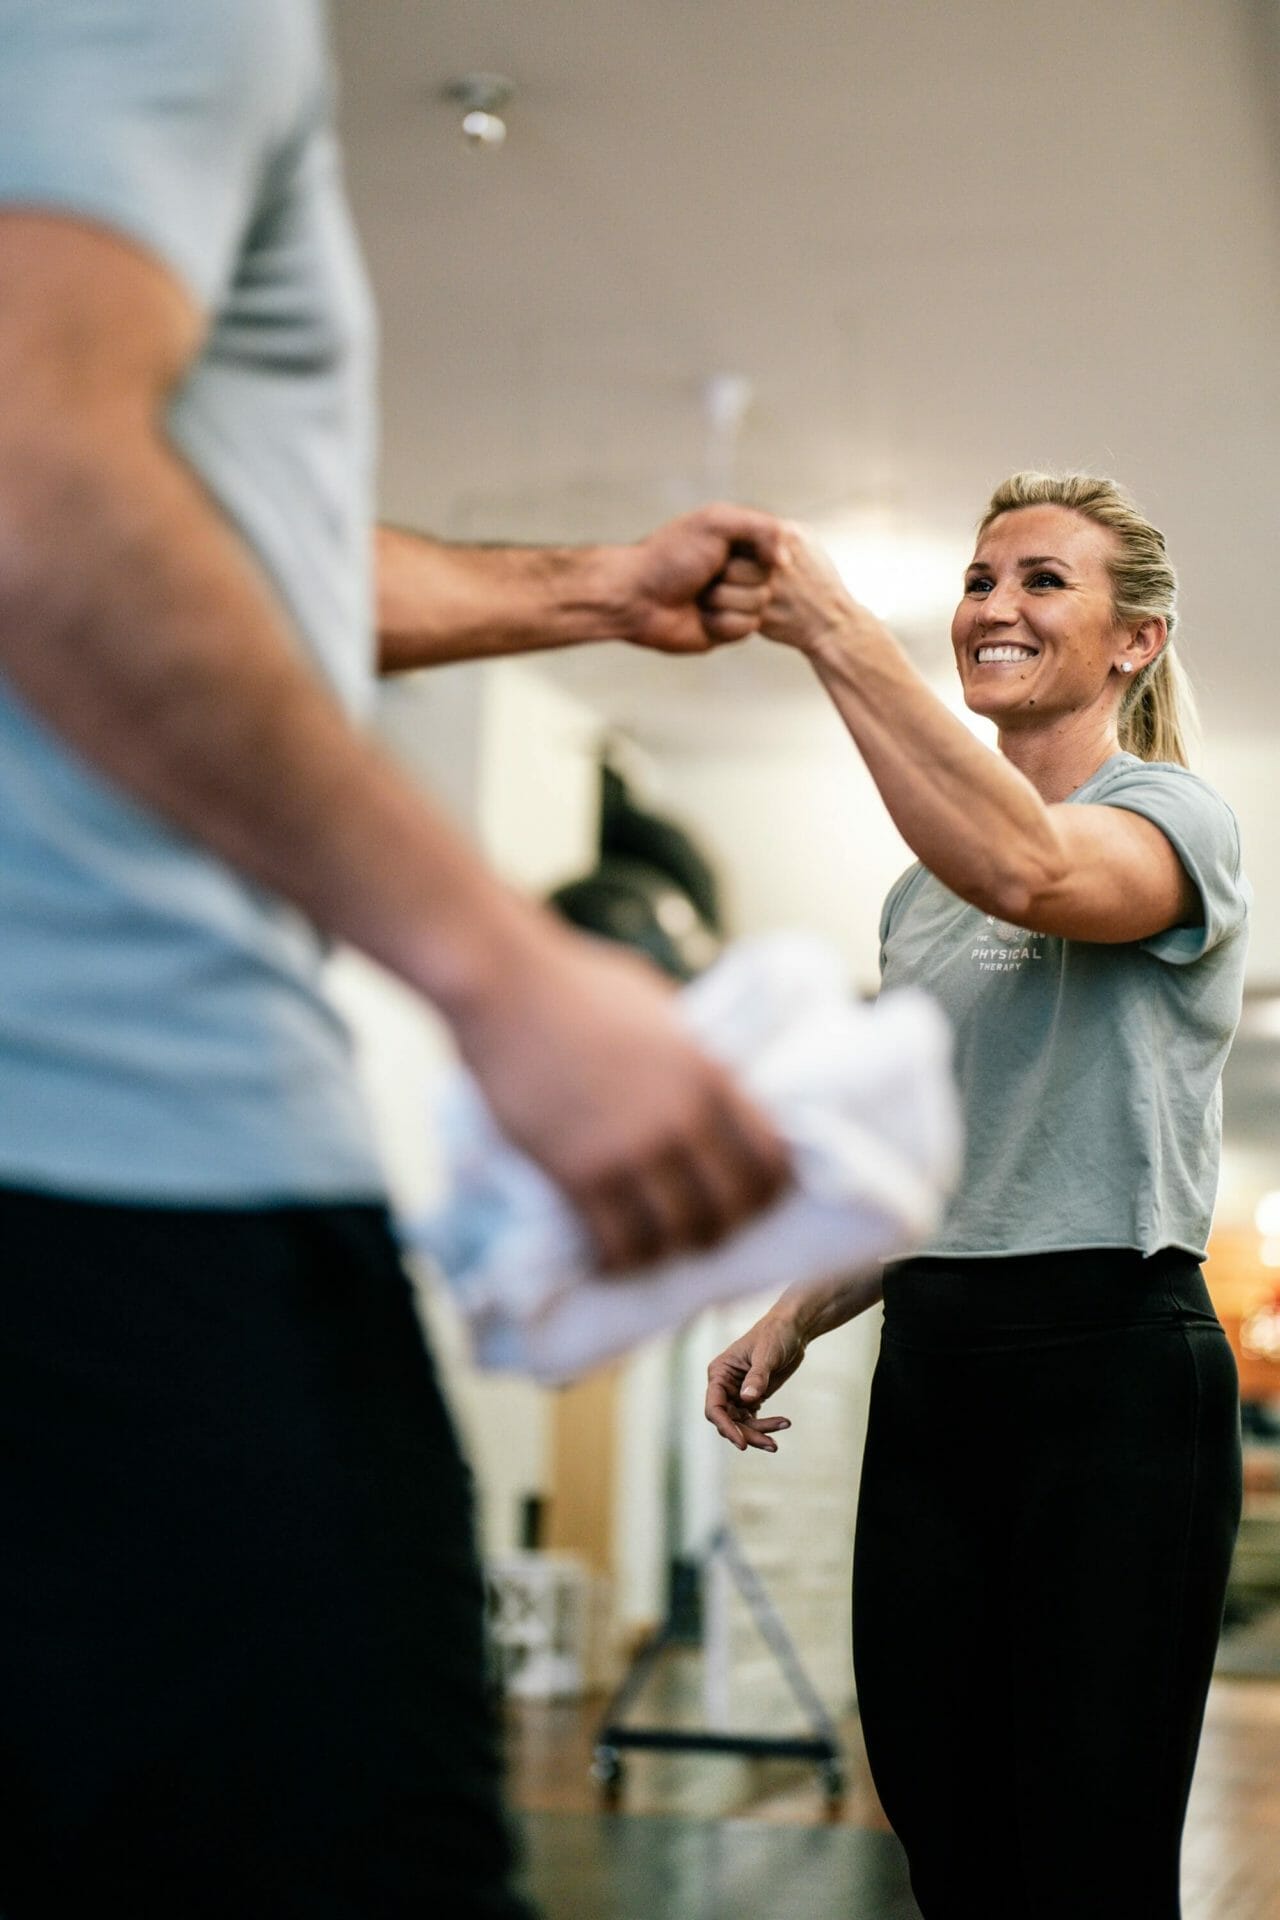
[744,1375]
[697,582]
[587,1068]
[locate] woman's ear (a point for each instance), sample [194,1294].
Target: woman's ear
[1145,643]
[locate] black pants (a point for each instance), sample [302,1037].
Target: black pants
[1049,1503]
[240,1612]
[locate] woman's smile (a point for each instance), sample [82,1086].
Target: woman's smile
[1006,654]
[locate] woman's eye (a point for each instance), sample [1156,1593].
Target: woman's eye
[1045,579]
[979,584]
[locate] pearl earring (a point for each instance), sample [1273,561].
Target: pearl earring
[1126,666]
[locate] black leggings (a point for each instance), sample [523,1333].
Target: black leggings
[1049,1502]
[240,1612]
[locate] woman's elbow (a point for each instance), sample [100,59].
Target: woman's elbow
[1024,893]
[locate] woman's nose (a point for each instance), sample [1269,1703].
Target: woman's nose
[999,607]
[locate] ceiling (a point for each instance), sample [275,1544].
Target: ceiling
[938,243]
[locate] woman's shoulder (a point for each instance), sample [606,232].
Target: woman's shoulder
[1203,831]
[1126,773]
[1175,798]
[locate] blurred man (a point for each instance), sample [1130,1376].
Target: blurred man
[240,1664]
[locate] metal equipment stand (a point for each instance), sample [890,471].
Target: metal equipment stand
[821,1745]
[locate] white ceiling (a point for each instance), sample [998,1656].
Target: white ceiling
[941,241]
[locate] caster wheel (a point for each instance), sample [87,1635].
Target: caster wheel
[608,1773]
[833,1788]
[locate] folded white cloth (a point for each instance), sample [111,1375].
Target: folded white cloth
[862,1094]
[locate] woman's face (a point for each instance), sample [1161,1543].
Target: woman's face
[1035,635]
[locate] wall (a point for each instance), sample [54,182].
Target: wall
[1243,768]
[512,760]
[798,833]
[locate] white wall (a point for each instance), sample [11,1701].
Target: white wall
[801,839]
[512,759]
[1243,767]
[798,834]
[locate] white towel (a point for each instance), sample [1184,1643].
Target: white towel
[862,1094]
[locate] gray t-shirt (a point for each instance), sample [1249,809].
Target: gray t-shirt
[1090,1074]
[163,1029]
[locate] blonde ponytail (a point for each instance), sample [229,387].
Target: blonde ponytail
[1159,712]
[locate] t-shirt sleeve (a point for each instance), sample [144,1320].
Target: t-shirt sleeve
[892,901]
[154,118]
[1202,830]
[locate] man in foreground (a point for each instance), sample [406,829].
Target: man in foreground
[240,1663]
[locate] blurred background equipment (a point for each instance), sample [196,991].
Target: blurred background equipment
[651,888]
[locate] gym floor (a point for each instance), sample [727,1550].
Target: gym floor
[698,1838]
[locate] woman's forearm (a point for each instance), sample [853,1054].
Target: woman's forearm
[998,839]
[969,815]
[965,812]
[822,1306]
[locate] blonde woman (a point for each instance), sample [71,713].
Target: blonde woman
[1051,1486]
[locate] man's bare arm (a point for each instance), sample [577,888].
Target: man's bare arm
[438,602]
[133,620]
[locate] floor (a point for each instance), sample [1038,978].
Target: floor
[711,1838]
[664,1867]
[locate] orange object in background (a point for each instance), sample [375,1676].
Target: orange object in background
[1260,1330]
[1246,1298]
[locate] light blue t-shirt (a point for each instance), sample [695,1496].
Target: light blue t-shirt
[1090,1075]
[164,1034]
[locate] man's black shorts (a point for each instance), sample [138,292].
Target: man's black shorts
[240,1612]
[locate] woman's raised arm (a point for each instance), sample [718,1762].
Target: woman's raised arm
[966,811]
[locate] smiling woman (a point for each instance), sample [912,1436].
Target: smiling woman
[1126,574]
[1051,1482]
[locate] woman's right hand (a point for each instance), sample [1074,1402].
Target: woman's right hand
[741,1378]
[809,604]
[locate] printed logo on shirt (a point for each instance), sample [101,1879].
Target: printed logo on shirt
[1001,947]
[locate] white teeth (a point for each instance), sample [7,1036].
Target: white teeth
[1004,653]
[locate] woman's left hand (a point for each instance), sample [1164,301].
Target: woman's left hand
[741,1378]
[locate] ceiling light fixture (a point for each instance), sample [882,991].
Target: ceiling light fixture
[482,96]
